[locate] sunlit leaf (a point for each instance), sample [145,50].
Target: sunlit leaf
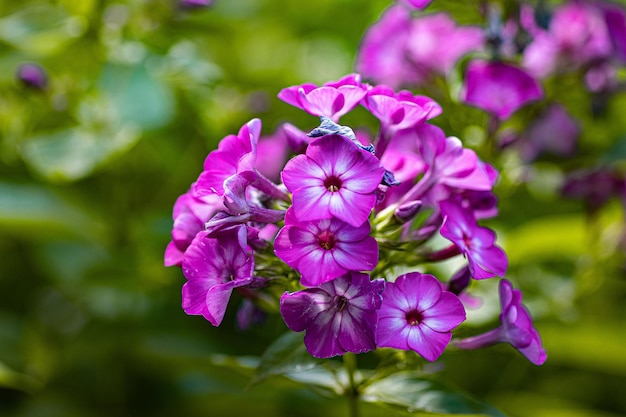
[417,394]
[71,154]
[286,355]
[41,29]
[33,210]
[137,96]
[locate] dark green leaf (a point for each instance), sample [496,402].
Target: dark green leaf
[417,394]
[286,355]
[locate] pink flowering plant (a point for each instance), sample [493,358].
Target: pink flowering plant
[345,244]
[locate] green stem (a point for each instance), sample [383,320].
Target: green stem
[351,392]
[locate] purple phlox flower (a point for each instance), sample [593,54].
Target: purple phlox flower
[498,88]
[554,131]
[32,75]
[189,214]
[416,4]
[595,187]
[577,35]
[334,178]
[516,328]
[418,314]
[322,250]
[436,43]
[475,242]
[213,268]
[333,99]
[382,55]
[337,317]
[447,165]
[399,111]
[234,154]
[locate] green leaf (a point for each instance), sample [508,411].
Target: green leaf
[16,380]
[286,355]
[417,394]
[33,209]
[137,96]
[72,154]
[42,29]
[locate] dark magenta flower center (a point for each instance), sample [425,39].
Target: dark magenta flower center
[341,302]
[414,317]
[332,184]
[326,240]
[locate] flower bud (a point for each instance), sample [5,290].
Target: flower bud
[407,212]
[32,75]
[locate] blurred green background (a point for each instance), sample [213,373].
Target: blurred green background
[138,93]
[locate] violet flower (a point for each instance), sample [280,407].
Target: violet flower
[337,317]
[213,268]
[475,242]
[555,131]
[334,178]
[436,43]
[322,250]
[498,88]
[516,328]
[32,75]
[333,99]
[577,36]
[234,154]
[382,55]
[418,314]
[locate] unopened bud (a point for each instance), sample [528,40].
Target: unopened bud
[33,76]
[407,212]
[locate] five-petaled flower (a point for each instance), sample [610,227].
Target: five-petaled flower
[334,178]
[339,316]
[325,249]
[418,314]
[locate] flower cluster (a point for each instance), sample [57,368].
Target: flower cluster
[321,234]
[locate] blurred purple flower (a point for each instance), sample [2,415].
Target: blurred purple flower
[475,242]
[322,250]
[382,55]
[195,4]
[333,178]
[418,314]
[498,88]
[595,187]
[32,75]
[339,316]
[577,36]
[436,43]
[516,328]
[417,4]
[554,131]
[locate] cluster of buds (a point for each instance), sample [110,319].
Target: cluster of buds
[320,236]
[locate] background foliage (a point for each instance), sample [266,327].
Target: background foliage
[139,91]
